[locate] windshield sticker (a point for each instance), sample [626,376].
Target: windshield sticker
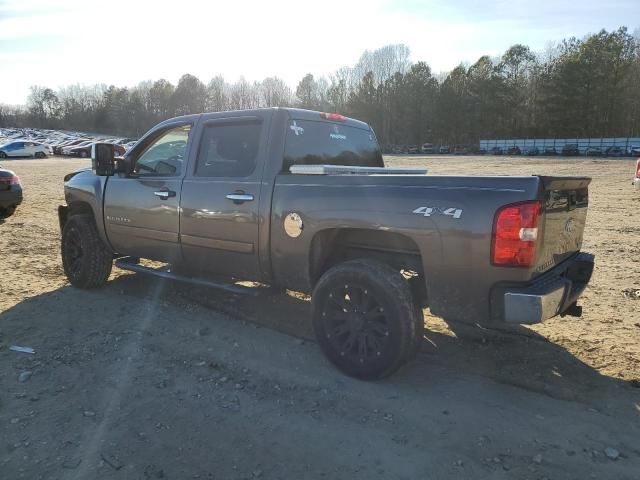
[336,135]
[296,129]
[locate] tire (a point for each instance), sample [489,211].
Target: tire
[40,155]
[364,318]
[7,212]
[3,155]
[419,332]
[86,259]
[83,154]
[418,291]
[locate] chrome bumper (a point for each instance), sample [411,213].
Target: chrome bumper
[554,293]
[533,307]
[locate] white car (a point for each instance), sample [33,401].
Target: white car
[23,149]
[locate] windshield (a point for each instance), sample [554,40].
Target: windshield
[311,142]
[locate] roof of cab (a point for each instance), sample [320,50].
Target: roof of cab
[301,114]
[294,113]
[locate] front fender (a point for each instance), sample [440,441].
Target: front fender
[84,193]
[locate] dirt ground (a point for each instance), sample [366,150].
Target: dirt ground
[148,379]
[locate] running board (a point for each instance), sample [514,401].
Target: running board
[127,263]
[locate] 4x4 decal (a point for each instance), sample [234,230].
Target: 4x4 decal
[428,211]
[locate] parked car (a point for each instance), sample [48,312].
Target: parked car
[70,149]
[532,151]
[413,150]
[241,199]
[550,151]
[634,150]
[23,149]
[636,180]
[444,149]
[427,148]
[496,151]
[58,149]
[84,150]
[460,150]
[10,192]
[615,152]
[514,150]
[570,150]
[593,152]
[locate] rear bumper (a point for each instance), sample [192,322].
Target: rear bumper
[554,293]
[10,198]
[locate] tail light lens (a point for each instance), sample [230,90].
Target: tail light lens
[515,235]
[638,169]
[11,180]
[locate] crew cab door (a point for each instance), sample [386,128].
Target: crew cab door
[220,220]
[142,208]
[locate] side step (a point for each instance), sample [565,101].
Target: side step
[130,264]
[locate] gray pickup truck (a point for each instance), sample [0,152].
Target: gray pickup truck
[300,200]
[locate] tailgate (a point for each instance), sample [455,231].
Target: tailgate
[564,201]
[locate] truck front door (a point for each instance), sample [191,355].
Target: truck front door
[220,218]
[142,208]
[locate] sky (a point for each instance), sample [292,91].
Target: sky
[122,42]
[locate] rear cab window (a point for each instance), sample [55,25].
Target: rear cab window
[310,142]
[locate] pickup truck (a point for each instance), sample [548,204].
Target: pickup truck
[301,200]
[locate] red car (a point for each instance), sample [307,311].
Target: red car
[57,149]
[636,181]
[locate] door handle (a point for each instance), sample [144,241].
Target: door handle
[164,194]
[240,197]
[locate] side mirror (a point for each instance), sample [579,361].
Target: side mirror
[102,159]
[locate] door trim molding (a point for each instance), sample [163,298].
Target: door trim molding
[195,241]
[142,232]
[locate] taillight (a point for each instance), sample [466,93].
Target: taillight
[336,117]
[638,169]
[515,235]
[14,180]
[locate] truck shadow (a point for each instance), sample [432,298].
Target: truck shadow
[520,357]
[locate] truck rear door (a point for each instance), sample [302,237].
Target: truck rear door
[220,220]
[564,204]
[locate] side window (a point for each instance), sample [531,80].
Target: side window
[165,155]
[228,150]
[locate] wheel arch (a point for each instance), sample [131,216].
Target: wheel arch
[77,207]
[332,246]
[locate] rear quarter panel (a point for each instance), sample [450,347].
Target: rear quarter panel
[455,251]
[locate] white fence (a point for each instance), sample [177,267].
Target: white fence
[583,143]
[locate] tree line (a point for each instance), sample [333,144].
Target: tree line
[587,87]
